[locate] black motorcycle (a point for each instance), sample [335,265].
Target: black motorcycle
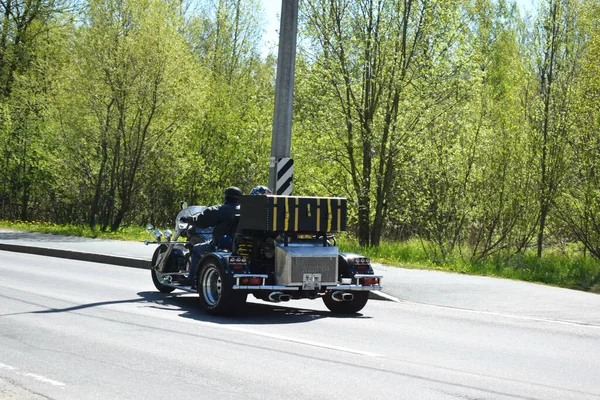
[171,259]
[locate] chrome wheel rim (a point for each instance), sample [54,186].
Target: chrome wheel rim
[212,285]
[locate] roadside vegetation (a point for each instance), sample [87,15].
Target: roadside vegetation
[566,268]
[465,134]
[124,233]
[560,267]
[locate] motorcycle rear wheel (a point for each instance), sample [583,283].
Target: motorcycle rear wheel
[346,307]
[217,296]
[155,275]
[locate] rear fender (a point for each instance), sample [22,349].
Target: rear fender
[223,259]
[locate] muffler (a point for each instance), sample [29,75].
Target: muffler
[274,297]
[342,296]
[285,297]
[337,296]
[277,297]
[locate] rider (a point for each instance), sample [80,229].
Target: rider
[260,190]
[221,217]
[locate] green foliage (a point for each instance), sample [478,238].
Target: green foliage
[132,233]
[25,53]
[503,187]
[560,269]
[573,271]
[462,133]
[579,206]
[472,155]
[391,70]
[230,142]
[410,253]
[129,90]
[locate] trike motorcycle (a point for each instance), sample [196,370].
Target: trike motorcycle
[284,248]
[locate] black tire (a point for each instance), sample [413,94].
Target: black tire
[188,261]
[346,307]
[217,296]
[155,274]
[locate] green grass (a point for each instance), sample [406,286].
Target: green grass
[405,254]
[569,271]
[573,271]
[135,233]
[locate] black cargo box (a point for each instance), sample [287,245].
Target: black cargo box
[292,214]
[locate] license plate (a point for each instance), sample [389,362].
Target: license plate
[311,281]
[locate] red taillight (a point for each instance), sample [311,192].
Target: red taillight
[255,281]
[370,281]
[238,266]
[251,280]
[362,267]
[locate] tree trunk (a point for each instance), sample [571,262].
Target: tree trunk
[364,221]
[540,238]
[546,87]
[95,208]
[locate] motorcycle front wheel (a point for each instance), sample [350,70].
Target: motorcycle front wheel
[156,275]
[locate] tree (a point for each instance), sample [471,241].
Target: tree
[579,205]
[230,141]
[27,30]
[131,89]
[504,189]
[383,62]
[23,24]
[556,61]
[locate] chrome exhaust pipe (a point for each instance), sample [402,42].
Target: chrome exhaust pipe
[275,297]
[338,295]
[284,297]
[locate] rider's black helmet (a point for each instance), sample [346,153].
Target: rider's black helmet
[232,195]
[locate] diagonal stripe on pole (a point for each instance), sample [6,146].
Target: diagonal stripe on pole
[285,174]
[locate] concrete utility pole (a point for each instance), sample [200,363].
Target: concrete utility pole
[281,168]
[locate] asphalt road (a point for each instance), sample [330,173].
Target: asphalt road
[81,330]
[434,288]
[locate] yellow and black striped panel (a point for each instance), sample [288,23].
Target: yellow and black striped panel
[293,213]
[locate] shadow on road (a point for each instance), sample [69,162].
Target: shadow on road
[47,310]
[253,313]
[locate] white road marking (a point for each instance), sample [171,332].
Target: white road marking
[386,296]
[300,341]
[37,377]
[496,314]
[8,367]
[44,379]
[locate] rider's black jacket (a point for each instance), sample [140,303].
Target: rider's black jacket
[221,216]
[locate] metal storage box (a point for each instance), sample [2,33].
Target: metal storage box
[293,213]
[298,264]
